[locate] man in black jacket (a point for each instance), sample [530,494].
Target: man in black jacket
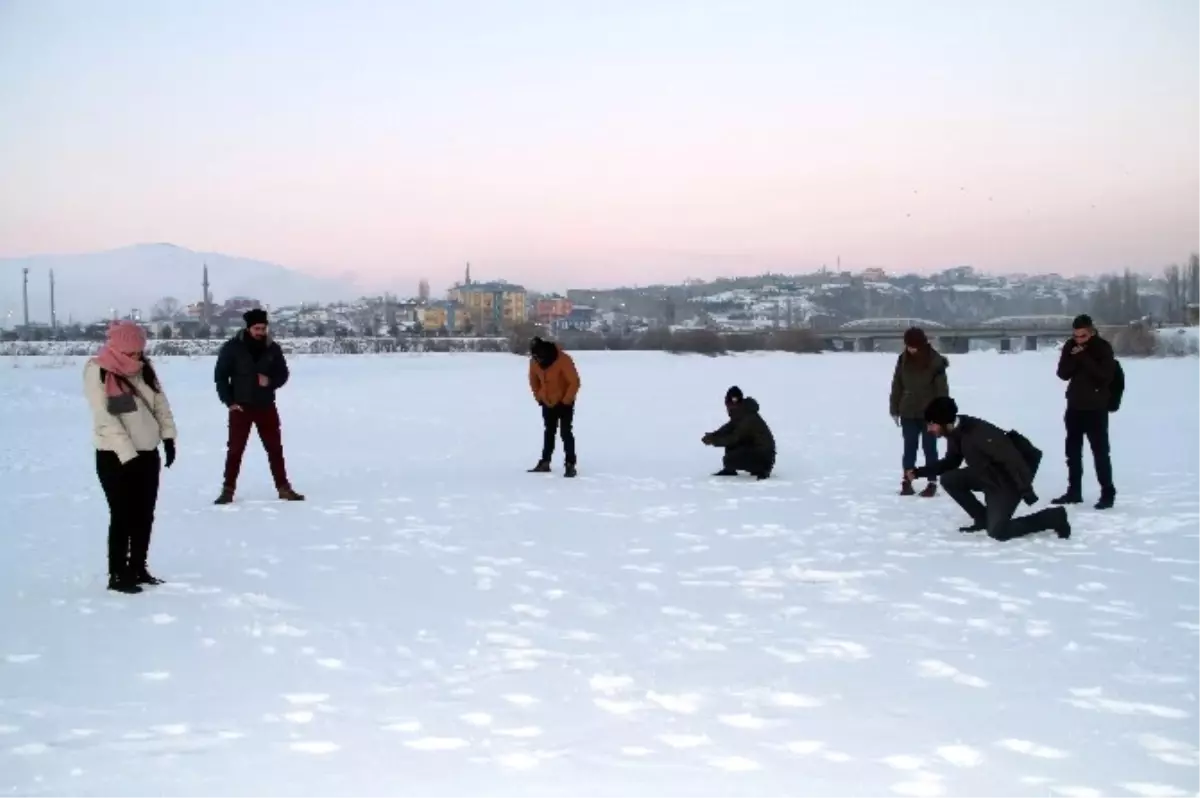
[995,467]
[250,368]
[1087,365]
[746,438]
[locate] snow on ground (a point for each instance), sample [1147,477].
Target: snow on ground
[435,621]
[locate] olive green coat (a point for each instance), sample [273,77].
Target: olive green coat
[915,384]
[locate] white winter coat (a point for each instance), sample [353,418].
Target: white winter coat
[130,433]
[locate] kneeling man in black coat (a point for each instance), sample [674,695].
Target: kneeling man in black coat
[1000,465]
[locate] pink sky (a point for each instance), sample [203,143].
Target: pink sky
[598,145]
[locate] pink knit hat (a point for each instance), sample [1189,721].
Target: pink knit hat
[127,337]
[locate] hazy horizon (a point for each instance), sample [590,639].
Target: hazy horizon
[605,144]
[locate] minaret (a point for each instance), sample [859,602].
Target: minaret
[53,315]
[468,281]
[206,298]
[25,294]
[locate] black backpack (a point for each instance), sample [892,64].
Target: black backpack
[1031,454]
[1116,389]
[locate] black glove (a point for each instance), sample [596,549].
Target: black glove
[169,448]
[1030,498]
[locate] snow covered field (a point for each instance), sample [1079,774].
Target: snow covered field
[435,621]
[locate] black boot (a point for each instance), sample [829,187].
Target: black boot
[570,472]
[144,577]
[974,527]
[542,467]
[1061,523]
[725,472]
[226,497]
[1072,496]
[1108,498]
[123,583]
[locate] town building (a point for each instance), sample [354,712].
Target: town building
[551,308]
[448,315]
[492,306]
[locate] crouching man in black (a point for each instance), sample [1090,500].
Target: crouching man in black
[999,465]
[746,438]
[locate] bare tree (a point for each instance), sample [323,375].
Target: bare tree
[165,309]
[1192,278]
[1175,298]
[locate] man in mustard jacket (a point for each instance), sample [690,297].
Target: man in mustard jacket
[555,384]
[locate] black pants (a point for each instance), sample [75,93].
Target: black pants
[915,432]
[999,504]
[1093,425]
[559,418]
[746,458]
[132,493]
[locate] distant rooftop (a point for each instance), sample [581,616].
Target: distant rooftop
[494,285]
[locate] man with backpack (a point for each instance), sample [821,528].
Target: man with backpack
[999,465]
[1095,384]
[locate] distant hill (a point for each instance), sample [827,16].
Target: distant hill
[88,285]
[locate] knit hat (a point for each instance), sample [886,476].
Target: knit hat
[255,316]
[1082,322]
[734,395]
[126,337]
[915,337]
[941,410]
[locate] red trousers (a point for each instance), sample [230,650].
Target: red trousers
[266,419]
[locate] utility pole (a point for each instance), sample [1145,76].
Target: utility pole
[53,315]
[25,295]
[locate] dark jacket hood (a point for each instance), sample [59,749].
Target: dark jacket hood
[748,406]
[933,359]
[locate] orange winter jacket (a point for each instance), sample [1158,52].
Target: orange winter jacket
[558,384]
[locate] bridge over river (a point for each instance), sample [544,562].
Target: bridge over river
[862,335]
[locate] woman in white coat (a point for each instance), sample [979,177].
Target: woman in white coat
[130,418]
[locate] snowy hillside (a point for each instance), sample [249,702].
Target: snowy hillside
[435,621]
[88,285]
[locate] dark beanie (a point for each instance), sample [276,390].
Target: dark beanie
[734,395]
[535,342]
[941,410]
[915,337]
[255,316]
[1082,322]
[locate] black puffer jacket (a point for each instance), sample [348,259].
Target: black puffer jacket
[1089,374]
[746,428]
[239,364]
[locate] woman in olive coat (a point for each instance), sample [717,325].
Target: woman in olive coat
[920,376]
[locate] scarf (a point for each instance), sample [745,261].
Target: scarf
[117,364]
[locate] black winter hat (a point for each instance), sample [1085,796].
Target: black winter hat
[1082,322]
[734,395]
[915,337]
[941,410]
[255,316]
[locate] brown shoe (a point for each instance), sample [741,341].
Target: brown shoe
[906,488]
[226,497]
[543,467]
[289,495]
[930,491]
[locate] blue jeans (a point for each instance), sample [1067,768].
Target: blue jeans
[914,432]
